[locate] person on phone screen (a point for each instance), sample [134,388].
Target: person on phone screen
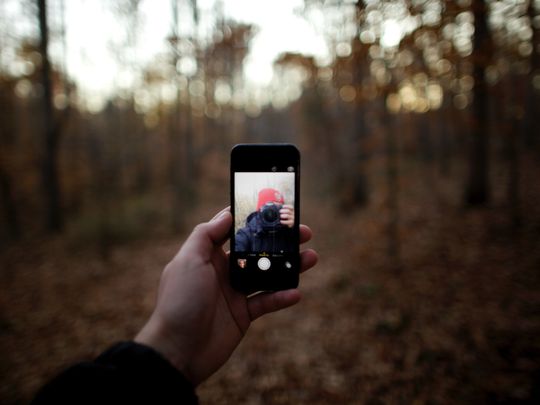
[269,227]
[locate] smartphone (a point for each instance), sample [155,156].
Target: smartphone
[265,203]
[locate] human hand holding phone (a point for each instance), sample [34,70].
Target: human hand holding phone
[199,319]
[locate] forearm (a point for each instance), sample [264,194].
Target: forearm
[126,373]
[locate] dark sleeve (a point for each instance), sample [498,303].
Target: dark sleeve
[126,373]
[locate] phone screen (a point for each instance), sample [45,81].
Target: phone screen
[265,242]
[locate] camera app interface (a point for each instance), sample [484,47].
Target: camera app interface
[264,216]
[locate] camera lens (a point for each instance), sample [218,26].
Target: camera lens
[270,215]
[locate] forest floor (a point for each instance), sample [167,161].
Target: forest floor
[453,317]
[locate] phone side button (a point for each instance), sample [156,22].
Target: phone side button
[263,263]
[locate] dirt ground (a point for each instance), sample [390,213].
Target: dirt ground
[454,317]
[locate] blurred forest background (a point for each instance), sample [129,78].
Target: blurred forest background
[419,132]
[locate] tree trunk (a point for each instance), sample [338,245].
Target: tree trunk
[51,184]
[532,129]
[175,130]
[8,205]
[513,148]
[477,187]
[392,201]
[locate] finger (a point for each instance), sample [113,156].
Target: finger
[220,212]
[265,303]
[305,233]
[218,227]
[308,259]
[207,235]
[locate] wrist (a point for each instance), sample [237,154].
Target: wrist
[154,335]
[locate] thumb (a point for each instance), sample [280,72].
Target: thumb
[269,302]
[219,226]
[206,236]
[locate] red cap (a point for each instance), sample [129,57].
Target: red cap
[267,195]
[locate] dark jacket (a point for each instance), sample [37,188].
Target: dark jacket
[127,373]
[254,238]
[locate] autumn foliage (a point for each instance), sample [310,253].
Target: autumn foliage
[420,168]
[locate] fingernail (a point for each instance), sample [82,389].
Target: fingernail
[219,216]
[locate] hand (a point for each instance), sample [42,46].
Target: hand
[287,215]
[199,319]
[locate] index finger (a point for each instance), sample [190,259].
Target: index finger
[305,233]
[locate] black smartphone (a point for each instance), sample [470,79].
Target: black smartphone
[265,203]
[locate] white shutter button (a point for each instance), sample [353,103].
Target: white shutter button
[264,263]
